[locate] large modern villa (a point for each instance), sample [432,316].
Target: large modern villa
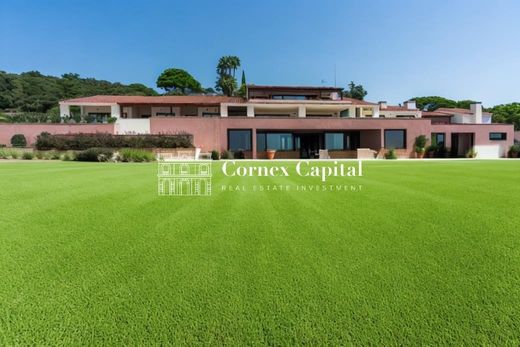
[297,122]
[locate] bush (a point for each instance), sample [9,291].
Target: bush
[471,153]
[4,154]
[51,155]
[46,141]
[135,155]
[420,143]
[14,154]
[239,154]
[215,155]
[95,154]
[225,155]
[2,145]
[391,154]
[18,140]
[67,156]
[39,154]
[514,150]
[27,155]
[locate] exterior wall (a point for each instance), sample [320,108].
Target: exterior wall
[132,126]
[31,131]
[481,134]
[517,136]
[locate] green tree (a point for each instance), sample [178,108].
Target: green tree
[431,103]
[355,91]
[226,70]
[178,81]
[242,91]
[507,113]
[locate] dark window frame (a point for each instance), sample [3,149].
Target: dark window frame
[435,136]
[343,147]
[503,136]
[250,139]
[404,138]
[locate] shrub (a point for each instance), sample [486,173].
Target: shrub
[51,155]
[215,155]
[514,150]
[15,154]
[391,154]
[18,140]
[420,143]
[67,156]
[4,154]
[2,145]
[471,153]
[239,154]
[27,155]
[39,154]
[225,155]
[95,154]
[47,141]
[135,155]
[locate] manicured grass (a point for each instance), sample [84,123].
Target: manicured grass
[427,253]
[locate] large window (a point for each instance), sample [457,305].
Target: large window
[334,141]
[497,136]
[277,141]
[289,97]
[239,140]
[280,142]
[439,139]
[395,139]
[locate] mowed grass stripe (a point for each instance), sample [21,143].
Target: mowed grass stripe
[426,253]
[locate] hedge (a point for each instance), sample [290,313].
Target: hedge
[18,140]
[46,141]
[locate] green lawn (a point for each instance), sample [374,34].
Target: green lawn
[427,253]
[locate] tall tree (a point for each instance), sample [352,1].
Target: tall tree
[355,91]
[178,81]
[226,70]
[242,91]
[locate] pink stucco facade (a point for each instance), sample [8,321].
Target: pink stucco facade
[211,133]
[31,131]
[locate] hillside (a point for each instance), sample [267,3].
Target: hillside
[33,92]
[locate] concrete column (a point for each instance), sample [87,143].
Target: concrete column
[250,111]
[253,143]
[223,110]
[115,111]
[302,112]
[64,110]
[375,112]
[361,112]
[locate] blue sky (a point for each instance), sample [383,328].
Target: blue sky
[397,49]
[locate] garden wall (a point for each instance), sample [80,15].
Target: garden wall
[31,131]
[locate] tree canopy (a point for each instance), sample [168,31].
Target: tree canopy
[226,71]
[178,81]
[34,92]
[507,113]
[431,103]
[355,91]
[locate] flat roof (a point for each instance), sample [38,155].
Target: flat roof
[156,100]
[254,86]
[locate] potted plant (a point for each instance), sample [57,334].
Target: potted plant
[391,154]
[271,153]
[420,145]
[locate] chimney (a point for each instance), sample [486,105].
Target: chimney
[476,111]
[410,105]
[382,105]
